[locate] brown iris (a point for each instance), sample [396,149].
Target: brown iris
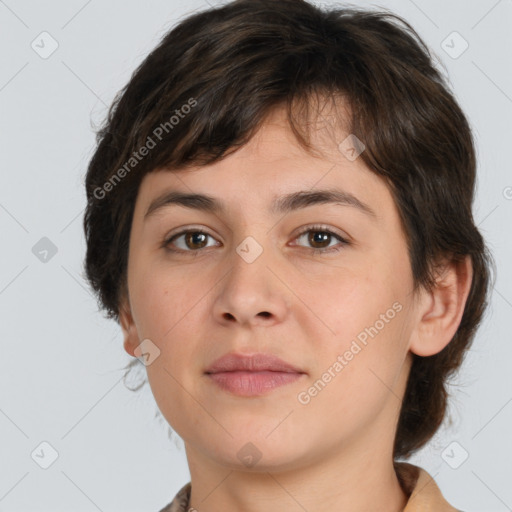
[195,237]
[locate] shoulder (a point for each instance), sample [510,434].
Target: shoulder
[180,501]
[424,494]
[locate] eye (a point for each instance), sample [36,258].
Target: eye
[320,237]
[192,240]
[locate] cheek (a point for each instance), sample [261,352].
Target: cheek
[348,302]
[365,313]
[169,311]
[357,374]
[161,297]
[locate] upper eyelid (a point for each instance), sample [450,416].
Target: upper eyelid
[305,229]
[320,228]
[188,229]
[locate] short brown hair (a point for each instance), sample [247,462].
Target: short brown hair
[231,66]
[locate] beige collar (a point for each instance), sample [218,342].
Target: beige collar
[424,494]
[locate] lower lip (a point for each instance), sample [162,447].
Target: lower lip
[244,383]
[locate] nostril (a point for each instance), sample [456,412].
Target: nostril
[264,313]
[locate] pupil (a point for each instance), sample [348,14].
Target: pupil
[192,237]
[323,237]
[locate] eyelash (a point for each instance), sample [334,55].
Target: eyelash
[316,228]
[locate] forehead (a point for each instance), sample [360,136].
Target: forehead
[274,164]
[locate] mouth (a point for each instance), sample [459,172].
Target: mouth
[253,375]
[254,363]
[252,383]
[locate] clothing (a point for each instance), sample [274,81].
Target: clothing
[423,493]
[422,490]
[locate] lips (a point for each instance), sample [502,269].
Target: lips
[252,376]
[234,362]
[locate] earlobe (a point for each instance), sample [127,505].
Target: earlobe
[131,338]
[440,310]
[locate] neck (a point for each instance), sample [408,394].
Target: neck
[352,479]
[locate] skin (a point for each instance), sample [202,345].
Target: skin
[335,452]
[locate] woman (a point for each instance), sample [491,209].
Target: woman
[279,218]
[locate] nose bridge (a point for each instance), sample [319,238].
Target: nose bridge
[250,293]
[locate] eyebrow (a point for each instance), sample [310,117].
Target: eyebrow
[280,205]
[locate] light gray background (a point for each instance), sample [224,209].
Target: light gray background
[61,361]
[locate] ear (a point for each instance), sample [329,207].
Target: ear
[440,311]
[131,336]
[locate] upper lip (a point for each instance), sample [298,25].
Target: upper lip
[256,363]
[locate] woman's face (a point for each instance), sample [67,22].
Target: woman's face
[276,281]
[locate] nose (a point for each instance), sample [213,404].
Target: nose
[251,293]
